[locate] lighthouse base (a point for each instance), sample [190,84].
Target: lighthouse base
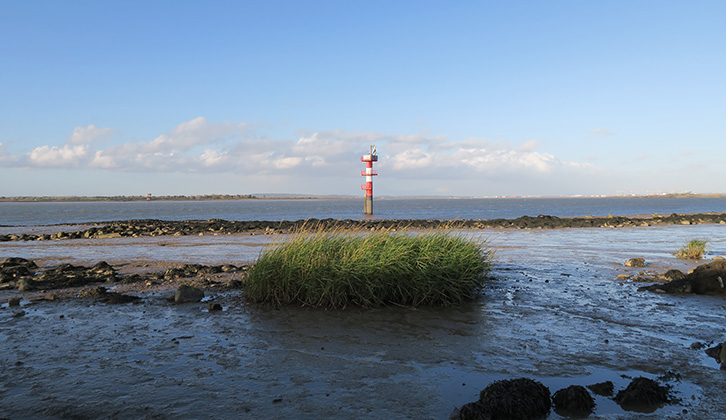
[368,205]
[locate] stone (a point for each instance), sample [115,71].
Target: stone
[605,389]
[697,345]
[212,307]
[471,411]
[707,279]
[643,395]
[186,293]
[671,275]
[635,262]
[118,298]
[24,285]
[521,398]
[573,401]
[13,302]
[18,314]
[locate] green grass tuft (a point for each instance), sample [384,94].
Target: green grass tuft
[693,249]
[339,269]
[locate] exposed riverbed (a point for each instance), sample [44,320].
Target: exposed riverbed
[554,311]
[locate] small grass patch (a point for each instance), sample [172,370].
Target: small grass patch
[693,249]
[339,269]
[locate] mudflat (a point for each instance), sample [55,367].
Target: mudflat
[554,310]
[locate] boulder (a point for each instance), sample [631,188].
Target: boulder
[69,275]
[12,269]
[643,395]
[186,293]
[718,352]
[671,275]
[471,411]
[573,401]
[605,389]
[635,262]
[521,398]
[707,279]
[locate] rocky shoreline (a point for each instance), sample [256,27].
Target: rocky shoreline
[153,227]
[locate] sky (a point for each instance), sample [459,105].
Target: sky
[461,98]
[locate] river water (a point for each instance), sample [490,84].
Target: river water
[553,310]
[42,213]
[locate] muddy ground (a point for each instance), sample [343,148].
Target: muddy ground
[554,311]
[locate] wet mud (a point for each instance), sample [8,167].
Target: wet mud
[554,311]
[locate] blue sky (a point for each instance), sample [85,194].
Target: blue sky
[464,98]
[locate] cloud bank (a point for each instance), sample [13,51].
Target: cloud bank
[199,146]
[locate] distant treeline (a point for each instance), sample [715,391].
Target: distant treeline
[135,198]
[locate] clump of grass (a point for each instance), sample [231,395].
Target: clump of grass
[693,249]
[339,269]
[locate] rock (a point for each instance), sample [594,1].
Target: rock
[13,269]
[187,293]
[108,235]
[24,285]
[132,278]
[13,302]
[635,262]
[18,314]
[605,389]
[707,279]
[718,352]
[69,275]
[623,276]
[697,345]
[671,275]
[573,401]
[471,411]
[18,262]
[212,307]
[516,399]
[234,284]
[719,257]
[643,395]
[118,298]
[95,293]
[103,269]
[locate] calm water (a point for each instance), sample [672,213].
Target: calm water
[25,214]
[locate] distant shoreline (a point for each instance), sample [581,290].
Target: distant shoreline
[236,197]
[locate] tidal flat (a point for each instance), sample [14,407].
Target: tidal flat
[553,310]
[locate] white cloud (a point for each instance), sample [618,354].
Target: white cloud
[59,156]
[100,160]
[334,143]
[286,162]
[412,159]
[185,136]
[212,158]
[89,135]
[602,131]
[529,146]
[201,147]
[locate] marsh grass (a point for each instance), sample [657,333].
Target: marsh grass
[693,249]
[338,269]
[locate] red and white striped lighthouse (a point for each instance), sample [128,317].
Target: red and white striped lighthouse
[369,173]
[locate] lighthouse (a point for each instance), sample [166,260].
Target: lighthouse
[369,173]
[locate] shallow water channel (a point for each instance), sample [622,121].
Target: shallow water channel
[554,311]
